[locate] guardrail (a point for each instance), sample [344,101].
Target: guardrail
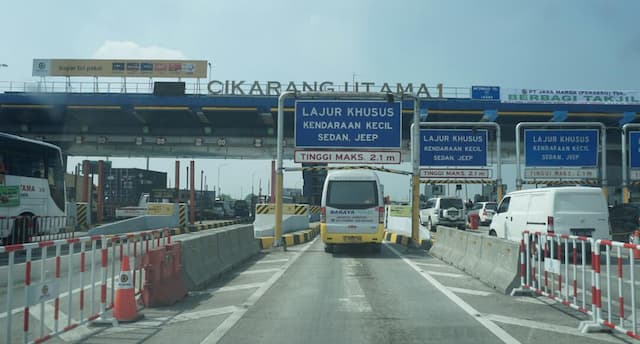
[193,88]
[25,229]
[94,262]
[549,265]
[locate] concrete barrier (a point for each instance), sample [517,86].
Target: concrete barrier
[444,247]
[138,223]
[470,260]
[207,255]
[295,217]
[398,220]
[458,247]
[505,273]
[492,260]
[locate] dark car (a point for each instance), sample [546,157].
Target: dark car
[241,208]
[624,219]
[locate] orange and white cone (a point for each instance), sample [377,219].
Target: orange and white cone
[636,241]
[125,307]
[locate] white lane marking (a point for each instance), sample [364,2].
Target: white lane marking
[535,300]
[203,314]
[444,274]
[432,265]
[547,327]
[166,320]
[268,261]
[217,334]
[258,271]
[226,288]
[470,291]
[69,336]
[87,290]
[355,300]
[488,324]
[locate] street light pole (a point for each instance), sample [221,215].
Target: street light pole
[219,188]
[252,181]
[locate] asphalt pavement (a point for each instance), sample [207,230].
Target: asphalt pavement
[350,296]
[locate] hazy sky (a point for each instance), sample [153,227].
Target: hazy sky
[579,44]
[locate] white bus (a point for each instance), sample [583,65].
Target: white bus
[352,209]
[32,190]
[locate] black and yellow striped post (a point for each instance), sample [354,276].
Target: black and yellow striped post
[81,215]
[182,214]
[300,209]
[262,209]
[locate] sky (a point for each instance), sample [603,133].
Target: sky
[572,44]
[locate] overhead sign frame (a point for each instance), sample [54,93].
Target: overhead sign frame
[630,169]
[464,174]
[389,98]
[573,172]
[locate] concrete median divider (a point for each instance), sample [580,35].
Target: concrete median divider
[470,260]
[458,248]
[444,246]
[207,255]
[492,260]
[141,223]
[398,226]
[295,217]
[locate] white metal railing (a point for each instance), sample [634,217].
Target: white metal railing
[555,266]
[83,270]
[191,87]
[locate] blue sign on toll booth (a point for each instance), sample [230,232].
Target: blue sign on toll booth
[453,147]
[485,93]
[561,147]
[348,124]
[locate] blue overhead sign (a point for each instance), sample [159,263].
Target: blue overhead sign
[561,147]
[453,147]
[485,93]
[634,149]
[348,124]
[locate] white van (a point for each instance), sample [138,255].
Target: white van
[562,210]
[352,209]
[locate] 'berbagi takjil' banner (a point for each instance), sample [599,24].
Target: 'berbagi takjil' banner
[551,96]
[120,68]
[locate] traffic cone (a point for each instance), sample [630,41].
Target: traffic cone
[124,307]
[636,241]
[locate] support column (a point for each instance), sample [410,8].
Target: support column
[177,181]
[273,182]
[100,205]
[192,192]
[85,181]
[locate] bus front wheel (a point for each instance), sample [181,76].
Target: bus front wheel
[328,248]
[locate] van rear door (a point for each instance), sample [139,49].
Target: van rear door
[581,213]
[352,206]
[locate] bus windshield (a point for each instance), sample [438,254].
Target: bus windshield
[24,159]
[352,194]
